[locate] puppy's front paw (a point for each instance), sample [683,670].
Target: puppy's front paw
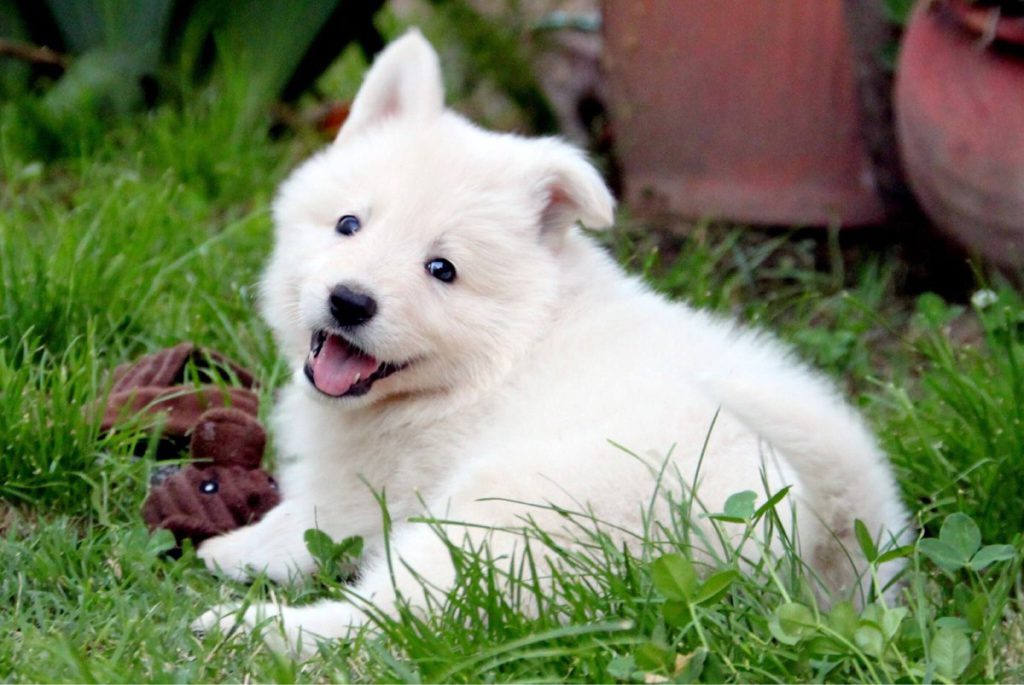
[240,555]
[262,619]
[222,618]
[225,555]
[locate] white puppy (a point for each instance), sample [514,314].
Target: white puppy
[459,345]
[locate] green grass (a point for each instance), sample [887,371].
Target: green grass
[118,242]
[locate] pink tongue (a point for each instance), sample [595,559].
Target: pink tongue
[336,367]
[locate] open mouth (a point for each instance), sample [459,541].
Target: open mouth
[338,368]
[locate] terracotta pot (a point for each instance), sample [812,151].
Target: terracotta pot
[960,123]
[744,110]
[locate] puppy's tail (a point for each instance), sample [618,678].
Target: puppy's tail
[843,473]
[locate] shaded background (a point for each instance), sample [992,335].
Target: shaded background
[760,112]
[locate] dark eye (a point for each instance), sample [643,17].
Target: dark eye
[441,269]
[209,487]
[347,225]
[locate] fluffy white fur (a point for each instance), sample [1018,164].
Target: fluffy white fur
[521,372]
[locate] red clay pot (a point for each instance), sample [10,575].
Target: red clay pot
[960,123]
[744,110]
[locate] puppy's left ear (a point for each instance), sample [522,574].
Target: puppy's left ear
[572,191]
[404,81]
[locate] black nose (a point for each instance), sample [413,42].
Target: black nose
[350,308]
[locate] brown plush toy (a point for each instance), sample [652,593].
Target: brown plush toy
[155,386]
[224,487]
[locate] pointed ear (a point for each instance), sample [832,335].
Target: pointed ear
[404,81]
[573,191]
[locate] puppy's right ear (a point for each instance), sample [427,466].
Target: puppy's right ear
[572,190]
[404,81]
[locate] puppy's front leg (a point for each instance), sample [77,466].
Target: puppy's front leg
[275,546]
[298,630]
[293,630]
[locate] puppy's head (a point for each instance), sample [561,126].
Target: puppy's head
[419,253]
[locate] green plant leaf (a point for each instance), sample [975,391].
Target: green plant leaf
[869,639]
[676,612]
[269,38]
[822,645]
[843,619]
[897,553]
[942,555]
[622,667]
[674,577]
[87,24]
[975,612]
[162,540]
[953,623]
[319,545]
[652,657]
[715,586]
[740,505]
[772,501]
[989,554]
[950,652]
[867,544]
[935,311]
[791,623]
[960,532]
[877,626]
[349,548]
[891,620]
[725,519]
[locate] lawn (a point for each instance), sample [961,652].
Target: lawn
[119,239]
